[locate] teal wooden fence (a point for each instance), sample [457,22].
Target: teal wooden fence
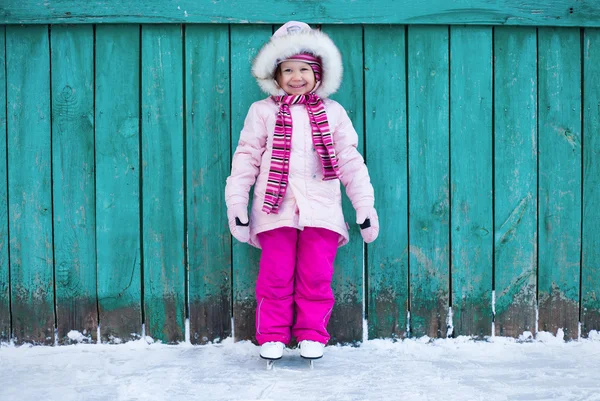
[480,127]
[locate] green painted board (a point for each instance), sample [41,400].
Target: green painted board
[4,274]
[72,57]
[471,180]
[590,269]
[386,156]
[246,41]
[559,71]
[346,323]
[515,180]
[162,182]
[208,164]
[29,183]
[117,114]
[428,176]
[501,12]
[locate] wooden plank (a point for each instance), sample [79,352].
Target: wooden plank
[471,180]
[590,295]
[346,322]
[117,181]
[428,176]
[29,183]
[72,57]
[500,12]
[559,53]
[245,40]
[4,268]
[208,163]
[515,179]
[387,257]
[162,182]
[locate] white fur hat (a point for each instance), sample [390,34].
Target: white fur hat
[293,38]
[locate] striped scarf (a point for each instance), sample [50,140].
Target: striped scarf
[282,140]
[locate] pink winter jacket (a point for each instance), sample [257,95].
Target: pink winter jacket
[309,201]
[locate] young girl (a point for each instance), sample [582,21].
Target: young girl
[295,148]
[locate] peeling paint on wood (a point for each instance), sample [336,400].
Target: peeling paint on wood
[558,310]
[590,269]
[515,179]
[560,179]
[73,172]
[117,181]
[471,172]
[221,273]
[429,318]
[211,319]
[29,180]
[345,324]
[244,312]
[208,164]
[428,137]
[4,267]
[162,182]
[387,263]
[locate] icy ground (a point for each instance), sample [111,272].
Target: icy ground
[451,369]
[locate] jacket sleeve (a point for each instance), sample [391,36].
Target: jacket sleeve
[245,164]
[354,174]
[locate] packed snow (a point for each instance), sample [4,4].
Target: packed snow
[540,368]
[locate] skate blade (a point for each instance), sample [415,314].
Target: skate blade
[311,361]
[270,361]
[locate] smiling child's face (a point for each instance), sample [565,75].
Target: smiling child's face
[295,77]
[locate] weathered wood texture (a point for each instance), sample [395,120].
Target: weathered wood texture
[208,164]
[515,179]
[117,114]
[559,51]
[386,156]
[72,60]
[134,152]
[471,179]
[162,182]
[590,269]
[30,183]
[428,177]
[4,269]
[246,40]
[347,316]
[483,12]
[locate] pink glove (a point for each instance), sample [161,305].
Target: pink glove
[239,225]
[367,218]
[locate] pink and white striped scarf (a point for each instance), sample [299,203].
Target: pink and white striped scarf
[282,140]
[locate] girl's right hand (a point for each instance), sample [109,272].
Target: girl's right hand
[239,225]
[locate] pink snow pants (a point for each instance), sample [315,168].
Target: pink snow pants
[296,268]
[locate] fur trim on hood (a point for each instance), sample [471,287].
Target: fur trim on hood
[283,46]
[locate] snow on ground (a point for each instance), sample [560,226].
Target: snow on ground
[416,369]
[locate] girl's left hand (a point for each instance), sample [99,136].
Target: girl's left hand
[367,218]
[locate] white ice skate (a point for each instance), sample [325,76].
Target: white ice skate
[311,350]
[271,351]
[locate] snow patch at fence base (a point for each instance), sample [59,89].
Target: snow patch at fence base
[416,369]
